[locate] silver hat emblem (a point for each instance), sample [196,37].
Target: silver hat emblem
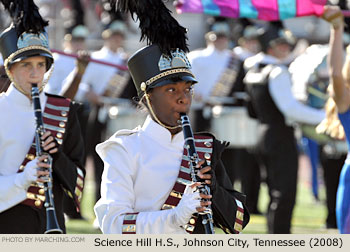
[177,59]
[31,39]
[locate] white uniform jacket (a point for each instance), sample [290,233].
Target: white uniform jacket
[141,167]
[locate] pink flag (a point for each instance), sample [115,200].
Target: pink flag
[259,9]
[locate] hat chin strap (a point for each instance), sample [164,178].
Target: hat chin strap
[155,117]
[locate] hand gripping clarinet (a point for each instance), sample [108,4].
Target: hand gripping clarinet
[207,216]
[52,226]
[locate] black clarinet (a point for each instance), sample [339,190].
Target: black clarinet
[207,216]
[52,226]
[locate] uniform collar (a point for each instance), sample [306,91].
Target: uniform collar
[161,134]
[20,99]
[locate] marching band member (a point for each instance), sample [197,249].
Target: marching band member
[74,42]
[93,86]
[220,73]
[145,176]
[27,58]
[269,86]
[310,83]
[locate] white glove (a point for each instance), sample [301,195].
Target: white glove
[187,206]
[29,174]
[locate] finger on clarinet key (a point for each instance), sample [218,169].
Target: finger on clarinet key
[205,203]
[195,184]
[42,158]
[43,175]
[204,176]
[43,165]
[203,207]
[200,163]
[49,146]
[45,135]
[52,151]
[203,171]
[205,196]
[208,182]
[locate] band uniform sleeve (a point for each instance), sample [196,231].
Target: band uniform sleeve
[68,161]
[118,196]
[280,88]
[229,210]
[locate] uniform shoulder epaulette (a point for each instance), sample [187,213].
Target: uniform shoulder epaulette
[127,132]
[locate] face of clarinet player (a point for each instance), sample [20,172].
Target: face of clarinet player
[170,100]
[28,71]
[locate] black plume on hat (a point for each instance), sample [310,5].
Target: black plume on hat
[156,23]
[164,60]
[25,15]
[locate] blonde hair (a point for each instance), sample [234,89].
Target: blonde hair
[331,125]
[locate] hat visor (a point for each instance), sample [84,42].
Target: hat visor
[33,53]
[173,78]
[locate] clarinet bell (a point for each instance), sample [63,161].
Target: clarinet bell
[52,226]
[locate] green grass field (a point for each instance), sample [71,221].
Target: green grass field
[308,218]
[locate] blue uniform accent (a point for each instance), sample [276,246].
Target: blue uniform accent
[343,193]
[312,150]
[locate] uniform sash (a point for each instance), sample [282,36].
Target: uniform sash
[228,78]
[117,83]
